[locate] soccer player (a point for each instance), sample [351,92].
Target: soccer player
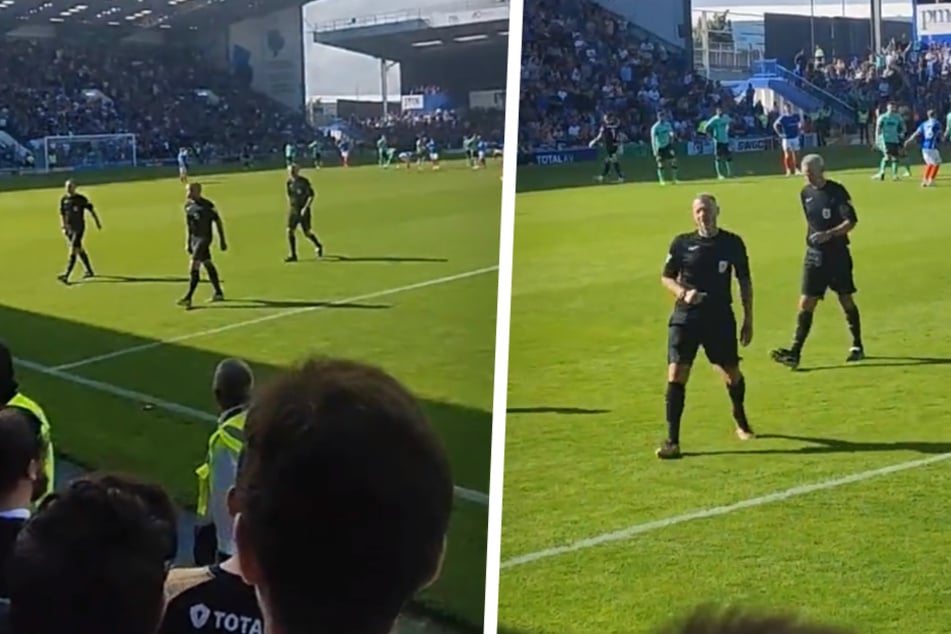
[789,128]
[405,158]
[468,144]
[300,196]
[315,149]
[72,213]
[662,144]
[908,118]
[290,153]
[384,152]
[200,215]
[718,128]
[247,156]
[482,150]
[830,216]
[433,150]
[929,131]
[343,145]
[183,165]
[889,129]
[698,273]
[610,135]
[420,151]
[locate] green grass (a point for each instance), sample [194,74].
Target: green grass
[587,373]
[395,229]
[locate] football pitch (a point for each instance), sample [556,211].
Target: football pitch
[408,282]
[839,509]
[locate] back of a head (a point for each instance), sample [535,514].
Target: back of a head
[21,443]
[8,385]
[345,494]
[710,620]
[93,559]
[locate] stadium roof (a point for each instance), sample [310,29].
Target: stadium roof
[134,15]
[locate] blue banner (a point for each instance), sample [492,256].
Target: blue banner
[563,157]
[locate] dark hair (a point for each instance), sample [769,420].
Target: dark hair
[21,442]
[92,560]
[345,492]
[156,500]
[711,620]
[8,383]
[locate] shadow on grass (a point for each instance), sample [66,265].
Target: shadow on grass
[393,259]
[816,445]
[567,411]
[130,414]
[882,362]
[640,170]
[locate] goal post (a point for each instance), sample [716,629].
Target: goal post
[88,152]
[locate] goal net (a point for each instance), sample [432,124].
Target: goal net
[87,151]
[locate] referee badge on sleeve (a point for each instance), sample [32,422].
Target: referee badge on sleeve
[724,265]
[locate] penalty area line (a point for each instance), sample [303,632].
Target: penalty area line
[701,514]
[477,497]
[273,316]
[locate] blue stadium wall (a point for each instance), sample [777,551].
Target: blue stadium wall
[268,51]
[484,69]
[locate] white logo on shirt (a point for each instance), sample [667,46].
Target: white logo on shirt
[724,265]
[694,247]
[199,615]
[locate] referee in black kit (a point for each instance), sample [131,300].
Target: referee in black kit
[698,272]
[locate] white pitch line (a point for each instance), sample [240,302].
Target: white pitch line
[701,514]
[279,315]
[477,497]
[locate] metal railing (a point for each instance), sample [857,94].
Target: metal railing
[771,67]
[726,58]
[405,15]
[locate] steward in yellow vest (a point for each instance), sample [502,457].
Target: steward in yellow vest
[11,396]
[232,387]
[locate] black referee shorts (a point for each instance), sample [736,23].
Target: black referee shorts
[299,218]
[200,249]
[714,331]
[74,236]
[827,271]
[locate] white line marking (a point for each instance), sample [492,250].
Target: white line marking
[779,496]
[477,497]
[279,315]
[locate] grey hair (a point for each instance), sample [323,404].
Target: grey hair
[708,200]
[813,161]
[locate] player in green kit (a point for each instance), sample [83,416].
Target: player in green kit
[662,144]
[315,149]
[384,152]
[290,153]
[889,129]
[469,145]
[717,127]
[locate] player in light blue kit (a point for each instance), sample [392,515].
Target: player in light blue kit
[929,131]
[662,144]
[183,164]
[717,127]
[789,128]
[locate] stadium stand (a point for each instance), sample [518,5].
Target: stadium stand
[580,61]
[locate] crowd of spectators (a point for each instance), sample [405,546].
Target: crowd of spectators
[581,61]
[167,97]
[339,509]
[446,127]
[912,74]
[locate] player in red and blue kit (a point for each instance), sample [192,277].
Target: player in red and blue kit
[789,128]
[929,131]
[344,147]
[433,149]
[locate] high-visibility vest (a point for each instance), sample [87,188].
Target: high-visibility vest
[230,435]
[31,406]
[863,116]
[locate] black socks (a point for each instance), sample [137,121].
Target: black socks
[737,393]
[676,395]
[194,276]
[855,326]
[803,326]
[213,277]
[292,243]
